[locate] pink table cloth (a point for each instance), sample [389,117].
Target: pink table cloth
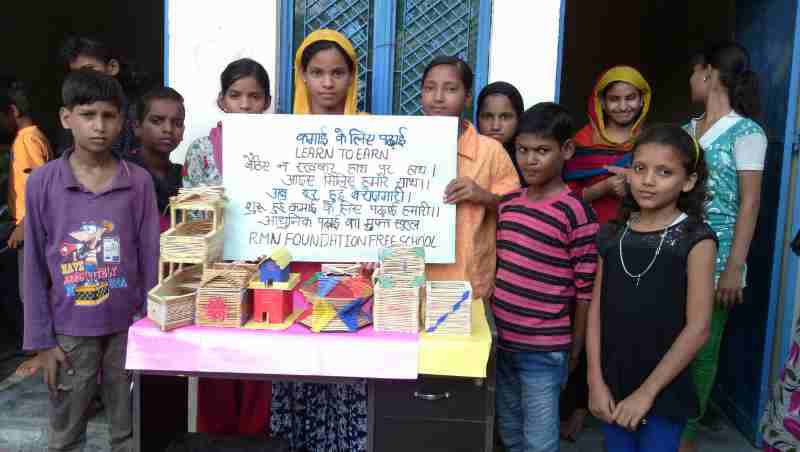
[295,351]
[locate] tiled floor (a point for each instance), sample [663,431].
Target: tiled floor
[24,406]
[726,440]
[23,418]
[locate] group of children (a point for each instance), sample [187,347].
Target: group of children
[628,242]
[601,253]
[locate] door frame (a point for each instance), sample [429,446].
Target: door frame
[790,266]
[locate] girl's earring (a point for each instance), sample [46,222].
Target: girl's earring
[705,78]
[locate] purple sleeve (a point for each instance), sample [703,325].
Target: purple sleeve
[149,229]
[39,333]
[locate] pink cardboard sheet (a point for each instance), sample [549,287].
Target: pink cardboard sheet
[295,351]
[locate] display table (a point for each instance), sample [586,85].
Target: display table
[296,351]
[419,386]
[450,406]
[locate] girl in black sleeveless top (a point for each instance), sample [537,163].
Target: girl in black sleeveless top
[653,297]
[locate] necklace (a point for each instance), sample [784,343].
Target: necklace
[703,125]
[637,277]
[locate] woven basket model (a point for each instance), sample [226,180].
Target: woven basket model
[396,310]
[170,304]
[448,308]
[337,302]
[398,289]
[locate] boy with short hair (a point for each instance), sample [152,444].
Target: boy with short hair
[159,126]
[30,149]
[81,52]
[91,254]
[546,261]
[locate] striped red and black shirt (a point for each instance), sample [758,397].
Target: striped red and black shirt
[546,262]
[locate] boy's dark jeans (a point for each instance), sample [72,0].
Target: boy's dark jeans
[68,415]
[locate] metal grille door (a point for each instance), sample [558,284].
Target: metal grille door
[353,18]
[426,29]
[411,33]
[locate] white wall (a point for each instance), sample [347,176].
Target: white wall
[524,47]
[203,37]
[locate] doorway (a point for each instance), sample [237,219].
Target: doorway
[656,37]
[134,29]
[33,33]
[659,37]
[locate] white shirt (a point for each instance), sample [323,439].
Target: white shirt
[749,151]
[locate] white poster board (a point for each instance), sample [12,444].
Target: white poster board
[338,188]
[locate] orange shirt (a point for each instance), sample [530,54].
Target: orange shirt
[29,151]
[485,161]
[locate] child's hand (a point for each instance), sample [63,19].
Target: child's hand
[617,181]
[29,367]
[601,403]
[464,189]
[49,360]
[16,237]
[631,412]
[729,287]
[490,291]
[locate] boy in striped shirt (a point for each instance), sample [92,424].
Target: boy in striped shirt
[546,260]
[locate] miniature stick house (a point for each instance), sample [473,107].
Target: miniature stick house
[273,288]
[187,247]
[223,298]
[196,235]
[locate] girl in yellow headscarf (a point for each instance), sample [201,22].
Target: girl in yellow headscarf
[325,76]
[322,417]
[618,108]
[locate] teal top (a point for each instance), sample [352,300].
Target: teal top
[732,144]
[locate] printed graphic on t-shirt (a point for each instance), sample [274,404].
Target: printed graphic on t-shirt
[111,250]
[90,265]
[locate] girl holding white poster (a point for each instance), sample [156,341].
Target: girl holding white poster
[485,172]
[311,416]
[244,89]
[227,406]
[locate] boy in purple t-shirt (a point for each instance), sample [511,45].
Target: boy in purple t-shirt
[91,255]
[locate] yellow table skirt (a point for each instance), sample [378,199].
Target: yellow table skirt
[458,356]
